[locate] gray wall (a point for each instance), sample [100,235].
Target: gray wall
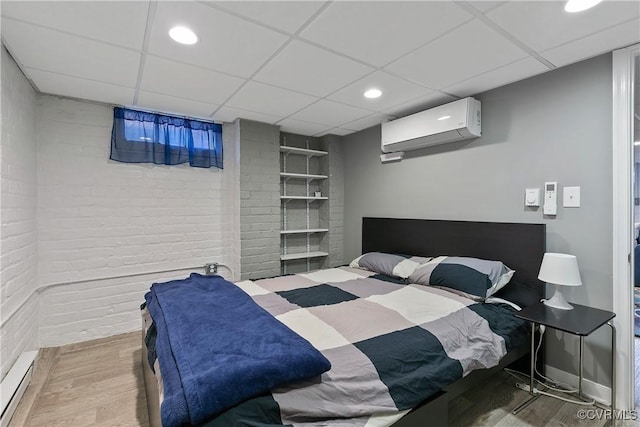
[552,127]
[259,199]
[335,205]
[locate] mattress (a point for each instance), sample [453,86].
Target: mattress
[391,346]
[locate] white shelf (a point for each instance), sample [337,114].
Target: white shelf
[305,231]
[303,255]
[302,198]
[311,251]
[302,175]
[305,151]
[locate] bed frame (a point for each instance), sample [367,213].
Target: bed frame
[520,246]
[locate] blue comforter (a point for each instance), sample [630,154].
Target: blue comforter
[217,348]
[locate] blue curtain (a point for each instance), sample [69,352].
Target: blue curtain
[142,137]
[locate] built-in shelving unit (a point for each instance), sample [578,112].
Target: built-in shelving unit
[302,176]
[311,198]
[306,186]
[305,231]
[302,255]
[303,151]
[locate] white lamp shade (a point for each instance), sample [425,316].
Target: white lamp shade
[560,269]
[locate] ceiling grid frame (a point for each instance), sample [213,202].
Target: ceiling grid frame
[151,14]
[303,30]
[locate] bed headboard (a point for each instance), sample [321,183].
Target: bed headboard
[519,246]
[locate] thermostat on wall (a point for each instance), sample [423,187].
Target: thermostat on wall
[532,197]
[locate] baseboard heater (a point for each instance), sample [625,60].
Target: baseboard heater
[15,383]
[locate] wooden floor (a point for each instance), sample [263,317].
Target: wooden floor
[94,383]
[99,383]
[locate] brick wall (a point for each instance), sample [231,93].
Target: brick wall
[259,199]
[98,219]
[333,144]
[84,237]
[18,239]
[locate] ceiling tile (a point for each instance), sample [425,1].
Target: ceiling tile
[394,91]
[285,15]
[302,128]
[420,104]
[229,114]
[330,113]
[335,131]
[227,43]
[175,105]
[49,50]
[499,77]
[91,50]
[485,6]
[542,25]
[261,97]
[308,69]
[367,122]
[468,51]
[122,22]
[378,32]
[74,87]
[595,44]
[186,81]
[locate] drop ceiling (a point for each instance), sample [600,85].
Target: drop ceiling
[302,65]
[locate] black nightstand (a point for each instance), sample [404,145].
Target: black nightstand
[581,321]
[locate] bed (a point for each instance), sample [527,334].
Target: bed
[382,358]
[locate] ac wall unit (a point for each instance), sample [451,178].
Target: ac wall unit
[454,121]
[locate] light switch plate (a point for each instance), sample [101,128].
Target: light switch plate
[571,197]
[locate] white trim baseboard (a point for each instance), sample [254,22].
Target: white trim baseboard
[592,389]
[15,383]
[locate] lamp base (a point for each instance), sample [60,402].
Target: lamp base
[558,301]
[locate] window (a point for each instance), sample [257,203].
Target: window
[142,137]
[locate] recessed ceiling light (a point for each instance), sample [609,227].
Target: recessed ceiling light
[444,117]
[580,5]
[183,35]
[373,93]
[636,143]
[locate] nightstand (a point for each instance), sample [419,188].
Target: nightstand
[580,321]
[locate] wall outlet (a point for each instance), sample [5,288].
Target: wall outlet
[211,268]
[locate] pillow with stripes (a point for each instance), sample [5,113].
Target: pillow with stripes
[390,264]
[472,277]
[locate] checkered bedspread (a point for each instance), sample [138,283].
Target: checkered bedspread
[391,346]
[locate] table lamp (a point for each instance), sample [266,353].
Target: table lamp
[559,270]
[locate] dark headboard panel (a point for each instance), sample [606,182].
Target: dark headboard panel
[519,246]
